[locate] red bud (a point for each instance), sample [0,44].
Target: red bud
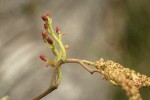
[57,29]
[42,57]
[44,34]
[44,16]
[49,40]
[45,26]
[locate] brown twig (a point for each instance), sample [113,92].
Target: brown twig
[51,88]
[53,84]
[82,64]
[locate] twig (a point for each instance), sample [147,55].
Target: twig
[53,85]
[5,98]
[116,74]
[81,62]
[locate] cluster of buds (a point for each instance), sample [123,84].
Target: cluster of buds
[45,37]
[45,17]
[56,38]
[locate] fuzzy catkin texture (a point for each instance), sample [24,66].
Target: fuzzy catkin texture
[128,79]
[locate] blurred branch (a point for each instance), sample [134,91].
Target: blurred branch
[5,98]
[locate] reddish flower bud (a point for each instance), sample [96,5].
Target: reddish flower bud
[42,57]
[57,29]
[44,34]
[45,26]
[49,40]
[44,16]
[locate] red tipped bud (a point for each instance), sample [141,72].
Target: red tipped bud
[42,57]
[45,26]
[44,34]
[44,16]
[57,29]
[49,40]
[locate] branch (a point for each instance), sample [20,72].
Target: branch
[128,79]
[4,98]
[53,84]
[51,88]
[81,62]
[118,75]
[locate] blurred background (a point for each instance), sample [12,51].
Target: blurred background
[118,30]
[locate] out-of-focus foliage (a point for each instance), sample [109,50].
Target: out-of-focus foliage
[136,39]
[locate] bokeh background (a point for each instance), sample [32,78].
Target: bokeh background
[111,29]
